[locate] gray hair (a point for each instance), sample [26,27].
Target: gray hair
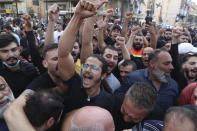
[142,96]
[180,113]
[154,56]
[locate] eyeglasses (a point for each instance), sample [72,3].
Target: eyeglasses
[92,67]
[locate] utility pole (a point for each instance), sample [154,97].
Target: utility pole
[16,7]
[47,9]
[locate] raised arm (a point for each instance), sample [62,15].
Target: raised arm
[53,14]
[153,37]
[87,47]
[134,31]
[101,28]
[35,55]
[15,117]
[125,52]
[66,66]
[109,13]
[127,17]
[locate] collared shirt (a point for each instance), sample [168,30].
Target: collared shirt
[113,82]
[78,66]
[149,125]
[167,94]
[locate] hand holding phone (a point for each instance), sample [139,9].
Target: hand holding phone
[148,19]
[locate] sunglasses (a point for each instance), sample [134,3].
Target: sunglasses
[93,68]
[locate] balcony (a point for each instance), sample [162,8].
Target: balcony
[9,1]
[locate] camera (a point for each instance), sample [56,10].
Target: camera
[148,19]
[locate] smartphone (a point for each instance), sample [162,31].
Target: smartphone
[148,19]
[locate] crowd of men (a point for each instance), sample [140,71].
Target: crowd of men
[93,76]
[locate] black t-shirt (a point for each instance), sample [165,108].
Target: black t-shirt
[44,81]
[18,80]
[76,96]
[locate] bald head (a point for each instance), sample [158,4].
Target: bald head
[92,118]
[180,119]
[145,54]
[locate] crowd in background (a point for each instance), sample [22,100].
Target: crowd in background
[86,74]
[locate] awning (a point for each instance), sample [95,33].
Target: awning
[140,16]
[8,11]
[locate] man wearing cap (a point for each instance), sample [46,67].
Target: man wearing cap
[111,40]
[185,60]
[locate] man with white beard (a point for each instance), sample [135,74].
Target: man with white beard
[156,75]
[6,98]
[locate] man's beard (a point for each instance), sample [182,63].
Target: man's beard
[160,75]
[75,56]
[186,72]
[137,47]
[4,107]
[54,72]
[168,38]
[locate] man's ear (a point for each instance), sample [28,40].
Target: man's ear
[50,122]
[152,64]
[45,64]
[183,66]
[103,76]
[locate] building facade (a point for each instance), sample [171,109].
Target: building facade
[12,7]
[192,15]
[167,11]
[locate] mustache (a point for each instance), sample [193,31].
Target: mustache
[11,58]
[137,43]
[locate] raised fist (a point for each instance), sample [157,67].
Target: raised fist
[53,12]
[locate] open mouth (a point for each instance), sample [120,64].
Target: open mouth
[146,61]
[4,102]
[110,66]
[73,54]
[87,78]
[193,72]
